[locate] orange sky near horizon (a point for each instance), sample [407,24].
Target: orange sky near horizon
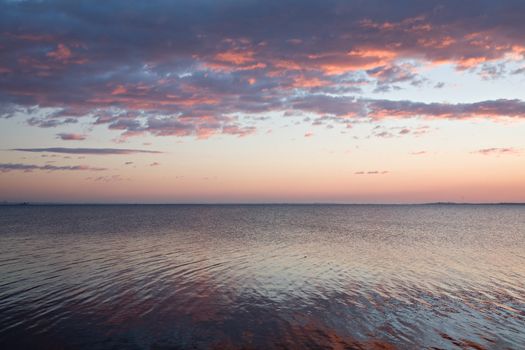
[341,102]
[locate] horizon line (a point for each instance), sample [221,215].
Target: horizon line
[28,203]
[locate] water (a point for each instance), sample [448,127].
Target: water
[262,277]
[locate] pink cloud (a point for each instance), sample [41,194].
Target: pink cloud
[119,90]
[71,137]
[372,172]
[189,81]
[61,53]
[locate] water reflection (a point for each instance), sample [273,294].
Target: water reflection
[228,277]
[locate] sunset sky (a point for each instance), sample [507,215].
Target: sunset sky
[205,101]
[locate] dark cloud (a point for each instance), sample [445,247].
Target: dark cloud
[497,151]
[407,109]
[97,151]
[195,68]
[50,123]
[6,167]
[491,71]
[387,76]
[384,134]
[340,106]
[9,110]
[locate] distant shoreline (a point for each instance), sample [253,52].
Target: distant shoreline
[12,204]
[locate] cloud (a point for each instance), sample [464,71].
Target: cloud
[154,164]
[387,76]
[498,151]
[109,178]
[347,108]
[398,131]
[96,151]
[62,53]
[373,172]
[384,134]
[50,123]
[492,109]
[71,136]
[340,106]
[519,71]
[491,71]
[6,167]
[198,68]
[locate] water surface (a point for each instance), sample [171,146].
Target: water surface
[262,277]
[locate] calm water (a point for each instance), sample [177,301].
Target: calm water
[263,277]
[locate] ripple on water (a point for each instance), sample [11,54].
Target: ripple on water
[335,277]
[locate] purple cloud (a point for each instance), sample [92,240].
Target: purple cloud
[6,167]
[50,123]
[493,109]
[204,70]
[497,151]
[71,136]
[95,151]
[109,178]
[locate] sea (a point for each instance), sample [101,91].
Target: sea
[262,277]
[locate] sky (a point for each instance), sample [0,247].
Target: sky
[262,101]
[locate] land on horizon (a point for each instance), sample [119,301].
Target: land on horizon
[252,203]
